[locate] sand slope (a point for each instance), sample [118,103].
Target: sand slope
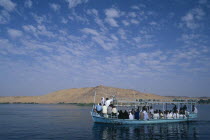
[81,95]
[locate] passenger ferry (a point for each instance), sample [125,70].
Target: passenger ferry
[190,114]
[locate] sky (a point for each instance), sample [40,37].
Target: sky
[153,46]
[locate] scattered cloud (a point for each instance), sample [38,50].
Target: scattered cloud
[40,30]
[8,5]
[28,3]
[14,33]
[64,21]
[74,3]
[55,7]
[39,19]
[192,18]
[90,31]
[111,14]
[4,17]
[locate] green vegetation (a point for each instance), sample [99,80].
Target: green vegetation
[78,104]
[201,101]
[5,103]
[24,103]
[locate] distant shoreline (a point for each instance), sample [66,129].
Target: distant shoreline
[201,101]
[78,104]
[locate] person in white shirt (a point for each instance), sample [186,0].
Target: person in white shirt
[146,117]
[104,110]
[102,101]
[156,115]
[131,117]
[114,111]
[108,101]
[169,115]
[176,115]
[151,111]
[195,110]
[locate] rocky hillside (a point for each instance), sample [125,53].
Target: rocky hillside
[81,95]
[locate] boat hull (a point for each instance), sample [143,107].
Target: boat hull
[100,119]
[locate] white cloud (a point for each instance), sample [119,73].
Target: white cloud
[135,7]
[104,42]
[90,31]
[111,14]
[14,33]
[134,21]
[64,21]
[92,11]
[4,17]
[192,18]
[40,30]
[55,7]
[74,3]
[122,34]
[132,14]
[112,22]
[39,19]
[28,4]
[7,4]
[126,23]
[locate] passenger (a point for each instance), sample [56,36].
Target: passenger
[137,114]
[170,115]
[104,111]
[145,115]
[108,101]
[161,114]
[133,111]
[151,111]
[194,109]
[156,115]
[182,113]
[99,108]
[109,110]
[114,111]
[165,114]
[181,116]
[131,117]
[174,108]
[102,100]
[176,115]
[126,115]
[120,116]
[141,115]
[185,108]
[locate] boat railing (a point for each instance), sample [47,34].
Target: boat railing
[157,101]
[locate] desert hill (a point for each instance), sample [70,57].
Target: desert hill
[86,95]
[80,95]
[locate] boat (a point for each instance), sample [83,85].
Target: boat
[127,104]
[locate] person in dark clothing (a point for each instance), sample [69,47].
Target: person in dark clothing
[193,108]
[184,108]
[120,116]
[174,109]
[126,115]
[137,114]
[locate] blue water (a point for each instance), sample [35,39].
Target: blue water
[28,122]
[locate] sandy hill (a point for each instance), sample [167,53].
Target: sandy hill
[81,95]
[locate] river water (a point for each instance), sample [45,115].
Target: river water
[28,122]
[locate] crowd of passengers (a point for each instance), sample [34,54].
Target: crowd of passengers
[106,109]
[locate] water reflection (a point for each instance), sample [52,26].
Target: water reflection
[155,131]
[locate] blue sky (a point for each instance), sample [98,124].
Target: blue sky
[153,46]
